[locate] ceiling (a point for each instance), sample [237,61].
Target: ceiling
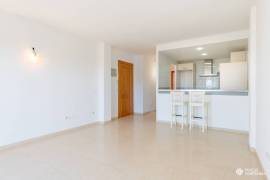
[136,25]
[213,51]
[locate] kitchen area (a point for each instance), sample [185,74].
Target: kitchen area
[218,69]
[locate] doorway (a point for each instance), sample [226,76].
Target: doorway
[125,89]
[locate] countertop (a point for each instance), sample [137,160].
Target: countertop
[209,91]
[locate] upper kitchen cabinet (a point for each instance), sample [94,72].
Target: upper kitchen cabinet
[239,56]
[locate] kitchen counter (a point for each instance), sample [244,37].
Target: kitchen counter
[209,91]
[226,109]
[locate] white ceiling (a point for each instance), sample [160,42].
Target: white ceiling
[136,25]
[214,51]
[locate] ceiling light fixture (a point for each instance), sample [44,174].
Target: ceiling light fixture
[204,54]
[199,48]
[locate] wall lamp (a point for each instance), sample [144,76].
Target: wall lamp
[34,55]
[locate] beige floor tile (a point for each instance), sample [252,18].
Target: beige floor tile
[132,148]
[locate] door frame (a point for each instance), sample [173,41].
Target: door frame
[132,85]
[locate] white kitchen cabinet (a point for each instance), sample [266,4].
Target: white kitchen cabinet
[239,56]
[185,67]
[234,76]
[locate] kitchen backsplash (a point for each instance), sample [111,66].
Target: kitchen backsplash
[207,82]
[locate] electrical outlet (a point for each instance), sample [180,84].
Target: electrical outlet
[67,117]
[92,114]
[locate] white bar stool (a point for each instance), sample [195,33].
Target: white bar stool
[179,108]
[197,102]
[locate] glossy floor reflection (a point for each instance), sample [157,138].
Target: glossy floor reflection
[132,148]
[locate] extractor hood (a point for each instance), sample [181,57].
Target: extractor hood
[209,69]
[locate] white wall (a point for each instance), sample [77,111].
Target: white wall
[149,83]
[57,93]
[144,85]
[217,38]
[263,85]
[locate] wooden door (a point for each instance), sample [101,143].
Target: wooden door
[172,79]
[125,89]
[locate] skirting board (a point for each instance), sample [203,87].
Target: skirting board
[214,128]
[253,150]
[229,130]
[144,113]
[137,114]
[47,136]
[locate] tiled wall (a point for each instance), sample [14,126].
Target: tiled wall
[201,82]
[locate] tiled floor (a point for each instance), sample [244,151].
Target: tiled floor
[133,148]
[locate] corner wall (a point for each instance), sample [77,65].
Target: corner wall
[149,83]
[104,82]
[262,84]
[252,78]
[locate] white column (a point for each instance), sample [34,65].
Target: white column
[252,78]
[104,78]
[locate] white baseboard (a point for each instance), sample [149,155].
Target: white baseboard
[229,130]
[214,128]
[261,164]
[51,135]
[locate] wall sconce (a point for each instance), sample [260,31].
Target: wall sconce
[34,55]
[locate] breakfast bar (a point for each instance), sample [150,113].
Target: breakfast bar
[226,109]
